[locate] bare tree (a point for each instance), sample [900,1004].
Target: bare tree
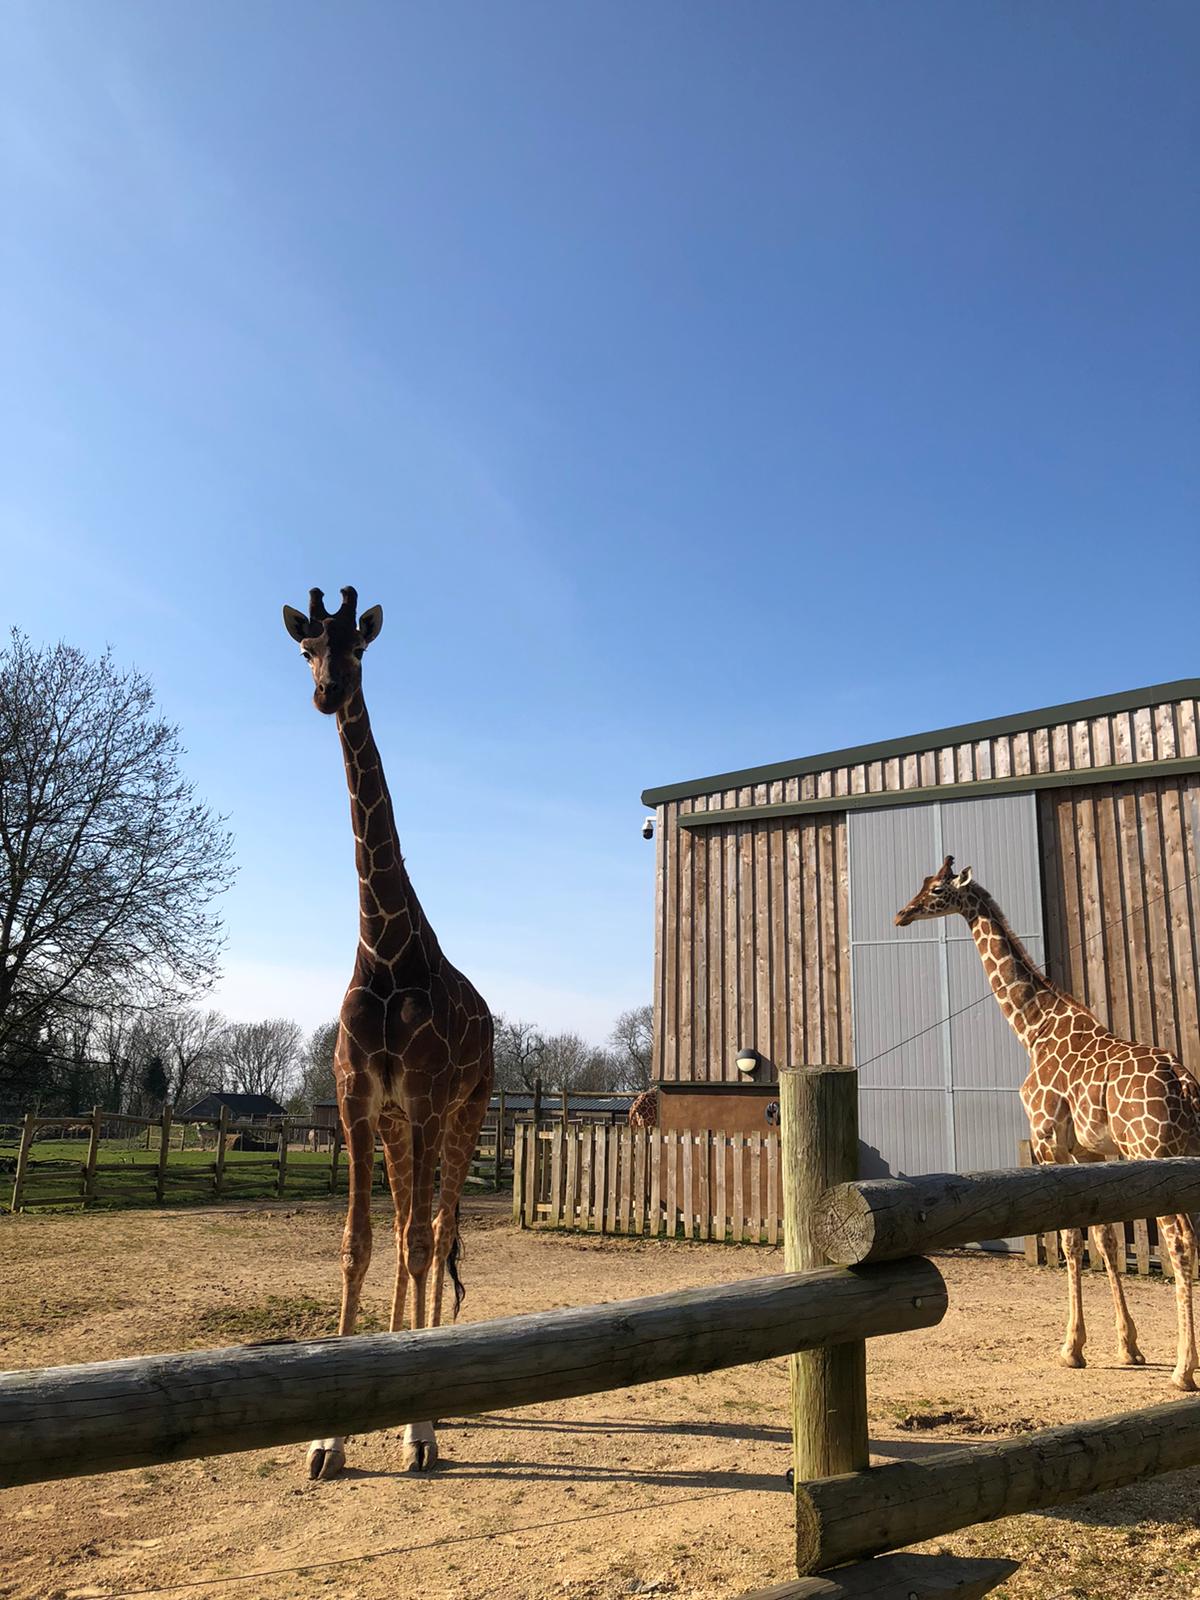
[316,1080]
[632,1044]
[108,862]
[519,1052]
[569,1062]
[262,1057]
[189,1042]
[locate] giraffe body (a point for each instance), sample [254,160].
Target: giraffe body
[413,1058]
[1089,1096]
[643,1110]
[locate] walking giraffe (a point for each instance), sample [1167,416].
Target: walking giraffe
[1089,1096]
[413,1059]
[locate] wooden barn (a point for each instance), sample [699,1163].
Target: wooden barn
[777,886]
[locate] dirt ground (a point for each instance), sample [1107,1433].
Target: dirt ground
[674,1489]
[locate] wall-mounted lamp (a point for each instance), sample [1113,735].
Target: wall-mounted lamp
[747,1062]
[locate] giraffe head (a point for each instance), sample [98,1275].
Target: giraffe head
[333,645]
[941,894]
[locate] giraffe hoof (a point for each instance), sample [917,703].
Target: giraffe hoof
[1071,1358]
[420,1447]
[1185,1381]
[326,1458]
[1131,1358]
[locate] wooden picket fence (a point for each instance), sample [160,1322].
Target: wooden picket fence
[687,1183]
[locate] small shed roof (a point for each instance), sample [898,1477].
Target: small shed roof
[240,1105]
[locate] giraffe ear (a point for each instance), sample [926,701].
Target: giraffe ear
[965,877]
[296,623]
[370,624]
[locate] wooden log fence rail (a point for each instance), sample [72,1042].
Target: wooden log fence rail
[859,1248]
[66,1421]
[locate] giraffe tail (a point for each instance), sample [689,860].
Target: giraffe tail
[457,1253]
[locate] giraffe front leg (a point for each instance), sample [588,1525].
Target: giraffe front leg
[327,1457]
[1178,1237]
[1128,1354]
[1076,1336]
[420,1449]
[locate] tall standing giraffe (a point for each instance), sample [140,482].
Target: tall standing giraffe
[1089,1096]
[413,1059]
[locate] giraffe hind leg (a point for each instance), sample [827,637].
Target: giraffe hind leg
[1178,1238]
[1113,1251]
[458,1148]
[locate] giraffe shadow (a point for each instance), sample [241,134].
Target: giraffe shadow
[574,1472]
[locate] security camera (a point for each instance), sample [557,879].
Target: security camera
[648,828]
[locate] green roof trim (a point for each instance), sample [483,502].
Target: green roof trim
[966,733]
[887,799]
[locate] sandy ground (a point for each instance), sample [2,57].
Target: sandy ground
[674,1489]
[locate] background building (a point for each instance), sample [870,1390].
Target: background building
[776,889]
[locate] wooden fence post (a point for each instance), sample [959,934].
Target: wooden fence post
[164,1150]
[519,1174]
[283,1155]
[27,1130]
[89,1169]
[498,1175]
[333,1156]
[219,1168]
[819,1134]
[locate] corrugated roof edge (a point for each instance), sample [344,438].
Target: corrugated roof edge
[937,738]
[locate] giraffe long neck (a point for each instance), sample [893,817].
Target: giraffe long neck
[1023,992]
[389,913]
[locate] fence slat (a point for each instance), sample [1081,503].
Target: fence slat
[1141,1247]
[772,1188]
[656,1155]
[739,1189]
[704,1200]
[518,1177]
[557,1153]
[613,1142]
[686,1140]
[758,1189]
[720,1214]
[571,1137]
[640,1138]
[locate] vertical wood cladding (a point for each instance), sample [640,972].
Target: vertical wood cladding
[1123,919]
[752,940]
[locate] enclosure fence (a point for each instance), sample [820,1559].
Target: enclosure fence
[690,1184]
[856,1268]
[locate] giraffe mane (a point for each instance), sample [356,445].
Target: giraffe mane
[1018,948]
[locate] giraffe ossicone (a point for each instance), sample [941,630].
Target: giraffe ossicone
[413,1059]
[1089,1096]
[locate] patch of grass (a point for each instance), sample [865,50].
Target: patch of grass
[278,1316]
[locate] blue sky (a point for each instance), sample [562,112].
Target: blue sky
[694,385]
